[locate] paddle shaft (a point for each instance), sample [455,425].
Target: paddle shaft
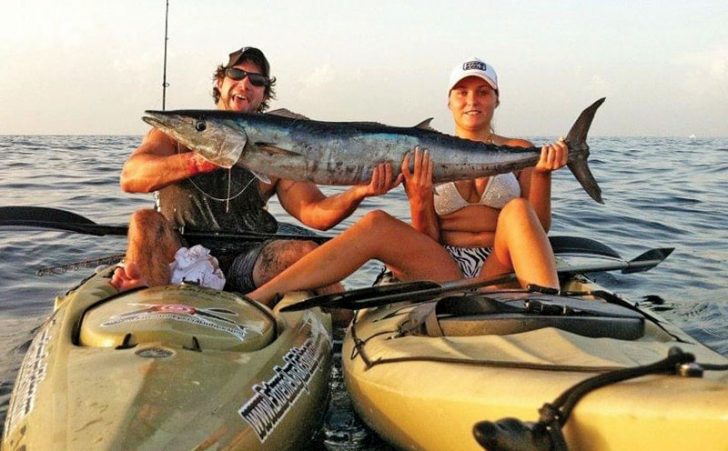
[408,291]
[65,220]
[54,218]
[635,265]
[611,266]
[51,218]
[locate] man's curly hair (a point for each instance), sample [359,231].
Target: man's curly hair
[269,94]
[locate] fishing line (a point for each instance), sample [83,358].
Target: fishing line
[229,188]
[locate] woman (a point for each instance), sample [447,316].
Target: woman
[489,225]
[506,214]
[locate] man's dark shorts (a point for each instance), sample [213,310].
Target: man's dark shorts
[238,268]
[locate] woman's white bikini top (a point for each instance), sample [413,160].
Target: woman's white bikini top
[500,189]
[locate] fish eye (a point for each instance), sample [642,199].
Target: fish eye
[200,126]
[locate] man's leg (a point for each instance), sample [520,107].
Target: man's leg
[278,255]
[152,246]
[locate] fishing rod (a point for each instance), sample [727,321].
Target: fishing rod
[164,74]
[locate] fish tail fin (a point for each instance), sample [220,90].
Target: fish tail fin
[579,151]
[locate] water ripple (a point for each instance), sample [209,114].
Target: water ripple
[659,192]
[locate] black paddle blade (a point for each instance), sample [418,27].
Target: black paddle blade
[53,218]
[24,213]
[648,260]
[581,246]
[83,228]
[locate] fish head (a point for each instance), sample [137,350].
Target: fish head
[217,136]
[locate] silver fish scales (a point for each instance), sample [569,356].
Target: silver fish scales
[345,153]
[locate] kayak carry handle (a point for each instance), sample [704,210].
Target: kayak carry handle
[511,434]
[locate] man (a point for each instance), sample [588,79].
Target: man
[195,194]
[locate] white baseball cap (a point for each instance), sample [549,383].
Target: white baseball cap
[474,67]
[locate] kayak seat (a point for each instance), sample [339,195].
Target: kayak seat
[515,312]
[178,316]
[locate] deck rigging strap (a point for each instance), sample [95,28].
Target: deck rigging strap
[546,434]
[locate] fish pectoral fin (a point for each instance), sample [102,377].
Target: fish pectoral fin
[283,112]
[425,125]
[273,150]
[262,177]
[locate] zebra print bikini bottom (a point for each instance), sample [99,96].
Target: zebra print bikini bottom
[469,259]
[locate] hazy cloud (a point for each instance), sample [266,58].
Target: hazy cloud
[319,77]
[387,62]
[704,70]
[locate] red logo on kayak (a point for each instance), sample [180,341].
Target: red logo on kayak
[174,308]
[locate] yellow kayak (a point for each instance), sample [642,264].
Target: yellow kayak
[175,367]
[423,375]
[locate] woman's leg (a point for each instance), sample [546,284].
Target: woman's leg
[410,254]
[278,255]
[521,246]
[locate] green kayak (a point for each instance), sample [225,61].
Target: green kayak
[174,367]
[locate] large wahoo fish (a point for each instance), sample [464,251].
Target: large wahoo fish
[345,153]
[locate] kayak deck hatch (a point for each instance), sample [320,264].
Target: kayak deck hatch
[178,316]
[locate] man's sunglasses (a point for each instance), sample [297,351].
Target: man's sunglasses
[239,74]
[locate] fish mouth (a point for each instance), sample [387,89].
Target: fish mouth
[172,125]
[154,118]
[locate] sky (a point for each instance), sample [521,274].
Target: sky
[93,67]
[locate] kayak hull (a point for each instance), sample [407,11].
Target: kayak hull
[177,367]
[427,392]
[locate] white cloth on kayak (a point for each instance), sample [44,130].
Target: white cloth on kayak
[196,265]
[470,260]
[500,189]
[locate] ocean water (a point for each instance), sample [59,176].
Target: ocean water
[659,192]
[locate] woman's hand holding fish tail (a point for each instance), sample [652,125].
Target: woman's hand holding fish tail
[553,156]
[419,189]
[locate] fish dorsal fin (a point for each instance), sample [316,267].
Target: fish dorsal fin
[283,112]
[425,125]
